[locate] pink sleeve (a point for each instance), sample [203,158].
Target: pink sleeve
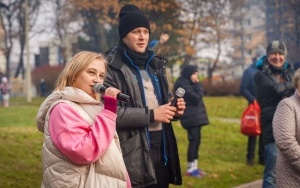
[110,103]
[75,138]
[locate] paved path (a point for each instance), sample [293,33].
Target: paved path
[232,120]
[254,184]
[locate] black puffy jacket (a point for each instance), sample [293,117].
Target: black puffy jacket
[270,91]
[195,112]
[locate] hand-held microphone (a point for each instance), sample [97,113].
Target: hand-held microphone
[100,88]
[178,94]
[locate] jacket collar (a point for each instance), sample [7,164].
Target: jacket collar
[116,59]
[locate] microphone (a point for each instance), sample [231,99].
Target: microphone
[178,94]
[100,88]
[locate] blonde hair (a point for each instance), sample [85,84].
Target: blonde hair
[296,79]
[75,66]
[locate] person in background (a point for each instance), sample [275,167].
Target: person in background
[286,129]
[5,88]
[144,124]
[81,147]
[296,65]
[195,116]
[43,87]
[273,82]
[157,45]
[159,48]
[247,89]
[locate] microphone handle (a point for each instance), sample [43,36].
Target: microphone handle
[174,101]
[123,97]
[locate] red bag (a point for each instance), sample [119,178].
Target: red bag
[250,124]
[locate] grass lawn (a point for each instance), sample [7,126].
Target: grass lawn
[222,153]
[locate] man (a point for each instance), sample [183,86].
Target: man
[273,82]
[144,125]
[247,89]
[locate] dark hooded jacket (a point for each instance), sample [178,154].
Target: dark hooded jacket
[134,117]
[270,91]
[247,88]
[195,112]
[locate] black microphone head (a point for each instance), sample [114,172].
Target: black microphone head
[98,87]
[180,92]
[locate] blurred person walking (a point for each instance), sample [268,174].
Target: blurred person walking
[144,124]
[5,89]
[286,129]
[159,48]
[157,45]
[247,89]
[43,87]
[194,117]
[273,82]
[81,147]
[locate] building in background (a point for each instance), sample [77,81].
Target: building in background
[283,23]
[249,32]
[50,53]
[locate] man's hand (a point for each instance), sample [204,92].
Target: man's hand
[164,113]
[180,107]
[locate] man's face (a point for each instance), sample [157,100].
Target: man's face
[164,38]
[137,39]
[276,59]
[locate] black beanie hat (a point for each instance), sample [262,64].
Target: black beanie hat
[276,46]
[188,70]
[131,17]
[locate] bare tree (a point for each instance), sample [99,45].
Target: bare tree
[33,7]
[204,23]
[98,17]
[12,19]
[67,25]
[8,16]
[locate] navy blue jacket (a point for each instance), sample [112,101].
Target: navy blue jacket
[247,88]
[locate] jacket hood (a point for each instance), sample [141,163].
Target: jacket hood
[188,70]
[69,93]
[260,62]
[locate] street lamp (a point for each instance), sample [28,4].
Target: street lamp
[28,67]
